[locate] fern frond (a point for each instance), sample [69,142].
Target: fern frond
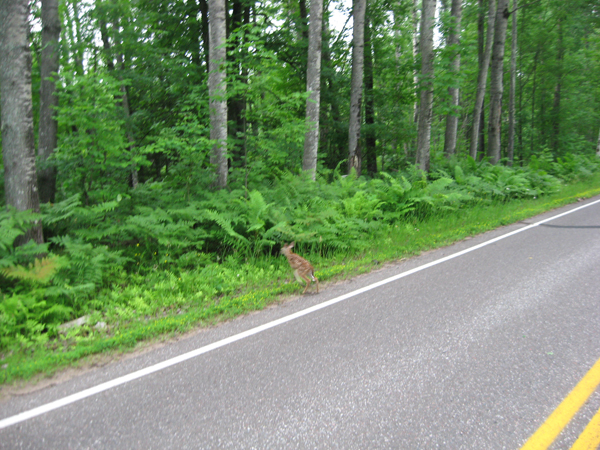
[41,271]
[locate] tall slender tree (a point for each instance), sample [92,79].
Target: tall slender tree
[426,85]
[560,56]
[510,148]
[370,155]
[217,90]
[358,56]
[313,86]
[496,81]
[48,126]
[453,91]
[482,79]
[18,152]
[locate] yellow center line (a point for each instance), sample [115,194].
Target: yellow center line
[562,415]
[590,438]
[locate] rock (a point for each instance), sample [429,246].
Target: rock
[73,323]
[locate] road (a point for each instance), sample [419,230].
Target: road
[471,346]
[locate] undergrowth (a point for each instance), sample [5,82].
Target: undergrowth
[150,262]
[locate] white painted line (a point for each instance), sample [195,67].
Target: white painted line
[237,337]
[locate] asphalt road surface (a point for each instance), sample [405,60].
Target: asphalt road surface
[471,346]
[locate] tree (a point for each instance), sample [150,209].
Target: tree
[560,50]
[453,91]
[16,107]
[426,88]
[370,136]
[510,149]
[313,86]
[482,79]
[496,81]
[48,126]
[217,90]
[358,55]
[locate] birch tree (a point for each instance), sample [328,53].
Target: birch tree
[217,90]
[313,86]
[16,105]
[426,85]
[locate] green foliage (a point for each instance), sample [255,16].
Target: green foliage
[92,156]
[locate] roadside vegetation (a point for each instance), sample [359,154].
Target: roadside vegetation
[156,262]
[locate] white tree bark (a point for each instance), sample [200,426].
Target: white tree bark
[496,81]
[18,152]
[358,49]
[426,85]
[482,79]
[454,91]
[313,86]
[217,90]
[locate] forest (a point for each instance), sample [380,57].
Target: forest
[157,154]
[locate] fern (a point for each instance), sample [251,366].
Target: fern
[41,271]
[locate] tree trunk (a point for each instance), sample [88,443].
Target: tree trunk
[236,104]
[48,126]
[204,28]
[217,90]
[598,146]
[557,91]
[77,44]
[16,105]
[426,85]
[304,31]
[482,79]
[313,86]
[496,85]
[533,94]
[358,48]
[125,103]
[510,150]
[480,57]
[370,139]
[454,92]
[415,52]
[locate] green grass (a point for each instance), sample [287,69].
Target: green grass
[168,304]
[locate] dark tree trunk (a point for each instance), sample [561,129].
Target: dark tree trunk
[236,104]
[48,126]
[16,105]
[204,29]
[557,90]
[304,32]
[510,149]
[482,80]
[370,138]
[452,118]
[358,48]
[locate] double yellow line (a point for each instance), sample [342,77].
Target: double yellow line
[551,428]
